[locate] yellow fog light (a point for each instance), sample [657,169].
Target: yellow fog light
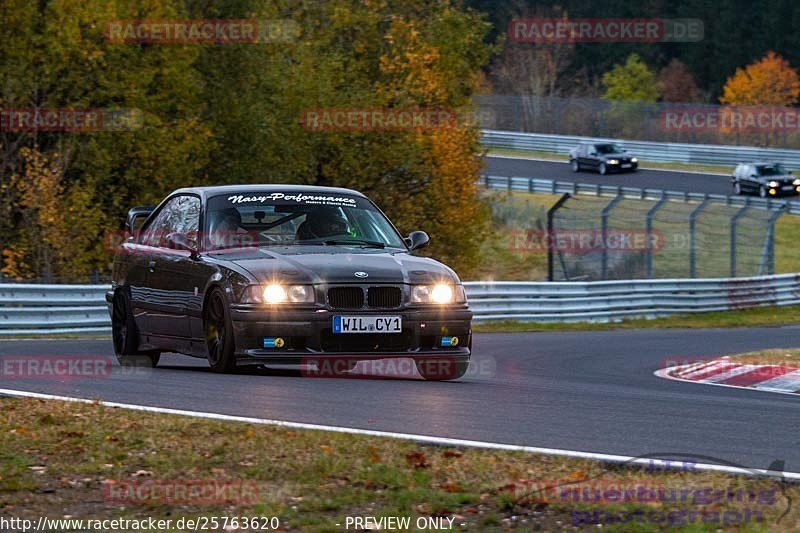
[772,191]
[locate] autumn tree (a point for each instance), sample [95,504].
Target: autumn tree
[769,81]
[677,83]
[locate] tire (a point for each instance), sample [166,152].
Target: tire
[576,167]
[602,169]
[219,333]
[762,192]
[737,187]
[432,369]
[125,335]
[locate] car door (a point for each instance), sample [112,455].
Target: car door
[583,153]
[168,289]
[750,178]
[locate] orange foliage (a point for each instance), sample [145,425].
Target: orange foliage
[771,80]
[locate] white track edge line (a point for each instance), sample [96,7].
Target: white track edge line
[426,439]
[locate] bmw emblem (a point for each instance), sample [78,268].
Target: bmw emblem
[360,274]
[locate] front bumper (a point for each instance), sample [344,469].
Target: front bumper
[620,167]
[307,335]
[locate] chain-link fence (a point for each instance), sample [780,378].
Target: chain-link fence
[764,126]
[600,238]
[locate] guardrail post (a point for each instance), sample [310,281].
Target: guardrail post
[734,222]
[693,237]
[651,213]
[604,231]
[548,238]
[768,253]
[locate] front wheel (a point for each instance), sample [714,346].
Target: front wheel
[762,192]
[602,169]
[219,333]
[125,335]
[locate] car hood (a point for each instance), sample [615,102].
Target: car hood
[782,177]
[335,265]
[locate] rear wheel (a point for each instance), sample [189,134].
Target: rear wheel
[125,335]
[575,166]
[219,333]
[737,187]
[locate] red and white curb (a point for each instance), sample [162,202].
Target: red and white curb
[726,372]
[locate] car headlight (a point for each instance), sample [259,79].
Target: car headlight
[275,293]
[796,181]
[441,293]
[773,184]
[613,161]
[634,160]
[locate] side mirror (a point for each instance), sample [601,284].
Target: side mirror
[178,241]
[417,240]
[136,216]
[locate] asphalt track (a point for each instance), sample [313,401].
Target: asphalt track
[642,178]
[581,391]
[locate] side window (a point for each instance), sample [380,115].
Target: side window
[180,214]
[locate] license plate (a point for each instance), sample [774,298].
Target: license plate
[367,324]
[787,188]
[626,165]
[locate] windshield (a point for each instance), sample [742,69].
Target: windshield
[293,218]
[770,170]
[607,149]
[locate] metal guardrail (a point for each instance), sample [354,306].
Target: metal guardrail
[605,301]
[709,154]
[39,309]
[547,186]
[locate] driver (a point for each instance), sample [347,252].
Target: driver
[321,223]
[224,224]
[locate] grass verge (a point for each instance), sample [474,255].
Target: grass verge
[760,316]
[776,356]
[62,459]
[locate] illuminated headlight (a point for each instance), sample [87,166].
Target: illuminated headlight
[441,293]
[773,184]
[796,182]
[634,160]
[613,161]
[275,293]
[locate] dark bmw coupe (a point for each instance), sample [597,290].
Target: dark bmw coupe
[278,274]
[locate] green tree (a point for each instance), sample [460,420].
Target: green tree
[633,81]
